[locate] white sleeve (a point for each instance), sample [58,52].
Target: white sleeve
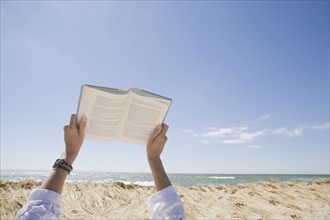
[166,204]
[42,204]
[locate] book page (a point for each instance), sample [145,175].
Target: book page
[104,112]
[143,115]
[146,93]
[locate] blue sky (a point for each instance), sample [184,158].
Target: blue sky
[249,81]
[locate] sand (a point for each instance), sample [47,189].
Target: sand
[261,200]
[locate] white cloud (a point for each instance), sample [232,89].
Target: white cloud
[243,135]
[250,136]
[324,126]
[232,135]
[289,133]
[232,141]
[224,132]
[265,117]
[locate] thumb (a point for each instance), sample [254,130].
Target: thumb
[73,121]
[155,132]
[82,124]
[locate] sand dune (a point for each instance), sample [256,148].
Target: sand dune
[261,200]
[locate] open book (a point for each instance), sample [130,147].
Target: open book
[127,115]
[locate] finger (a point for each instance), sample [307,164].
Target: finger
[82,124]
[155,132]
[73,121]
[164,130]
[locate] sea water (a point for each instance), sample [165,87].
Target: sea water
[145,179]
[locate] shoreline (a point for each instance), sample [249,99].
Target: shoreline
[259,200]
[146,178]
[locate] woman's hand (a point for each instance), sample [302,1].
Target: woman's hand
[157,142]
[74,135]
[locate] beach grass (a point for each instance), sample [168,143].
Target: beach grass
[259,200]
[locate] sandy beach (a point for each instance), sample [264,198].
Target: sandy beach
[260,200]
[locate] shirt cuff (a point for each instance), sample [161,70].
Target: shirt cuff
[166,204]
[45,195]
[161,195]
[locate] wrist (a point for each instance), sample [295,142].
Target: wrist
[154,160]
[63,165]
[69,158]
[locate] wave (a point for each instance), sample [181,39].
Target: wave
[139,183]
[221,177]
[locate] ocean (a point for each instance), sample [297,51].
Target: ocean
[145,179]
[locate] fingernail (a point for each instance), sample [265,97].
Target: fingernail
[159,126]
[84,118]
